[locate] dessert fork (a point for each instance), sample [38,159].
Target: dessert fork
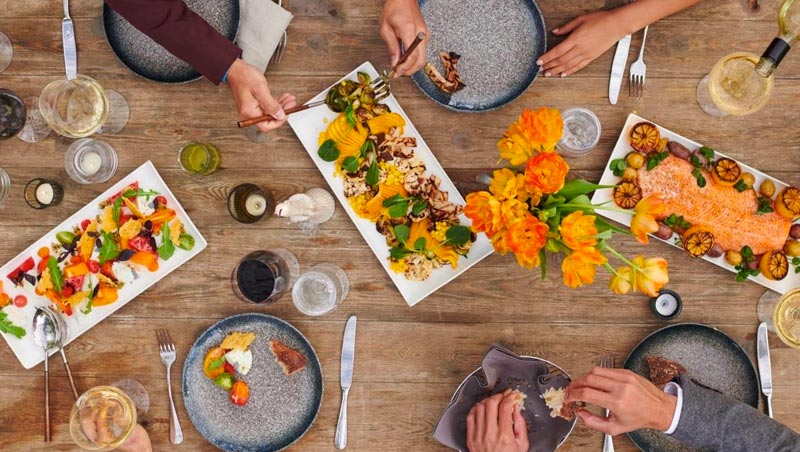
[608,360]
[166,349]
[638,71]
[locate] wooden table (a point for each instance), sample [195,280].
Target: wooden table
[408,360]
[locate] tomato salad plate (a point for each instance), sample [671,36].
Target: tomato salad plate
[706,203]
[390,184]
[96,261]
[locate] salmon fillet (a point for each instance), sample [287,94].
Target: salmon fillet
[729,214]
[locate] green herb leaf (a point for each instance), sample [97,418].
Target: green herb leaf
[419,207]
[399,209]
[350,114]
[420,243]
[617,166]
[350,164]
[401,231]
[55,274]
[695,161]
[655,159]
[373,174]
[186,242]
[707,152]
[8,327]
[115,211]
[701,181]
[109,250]
[671,220]
[747,253]
[397,253]
[367,147]
[457,235]
[217,363]
[167,248]
[393,200]
[139,192]
[764,205]
[741,186]
[88,308]
[328,151]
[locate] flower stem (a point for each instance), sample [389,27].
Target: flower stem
[621,257]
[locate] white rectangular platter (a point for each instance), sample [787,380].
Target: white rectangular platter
[310,123]
[622,149]
[26,350]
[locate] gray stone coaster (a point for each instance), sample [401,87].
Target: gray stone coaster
[281,408]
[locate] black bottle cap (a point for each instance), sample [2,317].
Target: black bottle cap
[777,49]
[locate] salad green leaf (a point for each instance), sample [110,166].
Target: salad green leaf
[55,274]
[328,151]
[457,235]
[373,174]
[167,248]
[8,327]
[350,164]
[109,250]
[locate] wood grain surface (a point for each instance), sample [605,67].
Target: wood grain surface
[408,360]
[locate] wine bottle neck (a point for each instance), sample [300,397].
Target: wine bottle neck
[772,57]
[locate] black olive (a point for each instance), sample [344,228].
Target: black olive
[125,255]
[30,278]
[153,243]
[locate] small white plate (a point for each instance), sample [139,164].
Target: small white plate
[308,124]
[622,149]
[26,350]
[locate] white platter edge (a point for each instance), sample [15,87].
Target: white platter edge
[622,148]
[308,124]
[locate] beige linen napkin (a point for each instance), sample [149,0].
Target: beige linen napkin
[260,30]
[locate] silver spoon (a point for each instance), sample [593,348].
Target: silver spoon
[61,337]
[44,334]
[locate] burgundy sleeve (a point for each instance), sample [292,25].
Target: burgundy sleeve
[185,34]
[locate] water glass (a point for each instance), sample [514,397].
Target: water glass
[43,193]
[320,290]
[264,276]
[581,132]
[35,128]
[5,185]
[12,114]
[248,203]
[118,113]
[74,108]
[90,161]
[6,52]
[199,158]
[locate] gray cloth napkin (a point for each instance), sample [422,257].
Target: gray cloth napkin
[501,369]
[260,30]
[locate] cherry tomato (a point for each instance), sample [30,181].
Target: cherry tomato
[27,265]
[85,224]
[20,301]
[161,201]
[240,393]
[42,265]
[43,252]
[229,368]
[140,243]
[67,291]
[76,282]
[213,364]
[123,218]
[75,260]
[94,266]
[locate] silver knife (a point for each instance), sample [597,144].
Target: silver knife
[68,37]
[348,355]
[764,365]
[618,68]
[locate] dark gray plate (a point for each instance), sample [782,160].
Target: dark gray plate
[145,57]
[499,43]
[281,409]
[712,359]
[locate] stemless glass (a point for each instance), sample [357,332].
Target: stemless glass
[6,52]
[74,108]
[248,203]
[43,193]
[320,290]
[5,185]
[102,419]
[12,114]
[90,161]
[781,313]
[199,158]
[264,276]
[35,128]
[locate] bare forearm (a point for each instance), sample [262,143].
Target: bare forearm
[638,14]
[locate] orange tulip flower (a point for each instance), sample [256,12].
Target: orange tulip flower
[643,221]
[546,172]
[578,230]
[579,267]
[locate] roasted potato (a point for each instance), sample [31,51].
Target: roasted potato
[767,188]
[664,232]
[733,257]
[634,160]
[792,248]
[630,174]
[748,179]
[794,232]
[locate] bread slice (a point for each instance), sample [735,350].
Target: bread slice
[238,341]
[290,359]
[554,399]
[662,370]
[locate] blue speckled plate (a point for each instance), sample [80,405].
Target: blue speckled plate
[145,57]
[712,359]
[281,409]
[499,43]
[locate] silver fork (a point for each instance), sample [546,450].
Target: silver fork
[277,56]
[166,349]
[608,360]
[638,71]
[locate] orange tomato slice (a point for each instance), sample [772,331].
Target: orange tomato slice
[214,358]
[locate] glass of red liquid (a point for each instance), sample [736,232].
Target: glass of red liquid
[264,276]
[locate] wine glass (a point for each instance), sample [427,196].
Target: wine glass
[733,87]
[103,419]
[74,108]
[262,277]
[118,113]
[781,313]
[6,52]
[36,128]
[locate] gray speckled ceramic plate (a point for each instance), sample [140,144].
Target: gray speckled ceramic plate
[499,43]
[712,359]
[145,57]
[281,409]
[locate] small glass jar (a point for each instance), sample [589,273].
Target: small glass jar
[199,158]
[581,132]
[90,161]
[248,203]
[43,193]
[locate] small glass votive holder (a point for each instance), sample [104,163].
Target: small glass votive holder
[581,132]
[90,161]
[248,203]
[199,158]
[5,185]
[43,193]
[320,290]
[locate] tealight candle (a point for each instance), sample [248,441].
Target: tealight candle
[255,204]
[667,305]
[90,163]
[248,203]
[42,193]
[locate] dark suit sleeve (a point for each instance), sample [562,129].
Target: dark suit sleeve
[182,32]
[711,420]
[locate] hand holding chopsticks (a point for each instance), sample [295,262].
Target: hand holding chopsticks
[380,87]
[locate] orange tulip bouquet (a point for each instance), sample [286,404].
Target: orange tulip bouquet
[531,209]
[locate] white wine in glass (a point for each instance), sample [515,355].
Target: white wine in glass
[102,419]
[787,318]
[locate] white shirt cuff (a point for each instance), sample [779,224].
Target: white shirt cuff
[674,389]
